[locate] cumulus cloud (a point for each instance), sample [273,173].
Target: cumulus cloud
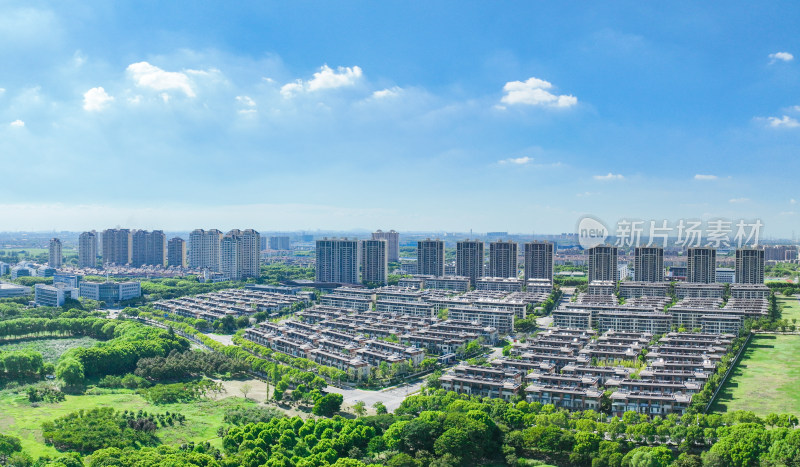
[738,200]
[95,99]
[534,91]
[153,77]
[17,124]
[792,201]
[325,78]
[609,176]
[517,160]
[784,122]
[705,177]
[781,56]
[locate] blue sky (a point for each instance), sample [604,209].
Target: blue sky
[511,116]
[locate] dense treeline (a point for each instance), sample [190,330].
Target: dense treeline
[87,431]
[184,365]
[163,289]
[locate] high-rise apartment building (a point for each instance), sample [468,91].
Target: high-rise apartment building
[240,254]
[701,264]
[374,262]
[55,253]
[469,260]
[149,248]
[648,264]
[337,260]
[539,260]
[176,252]
[392,240]
[750,266]
[503,259]
[204,250]
[117,246]
[87,250]
[279,243]
[430,257]
[603,263]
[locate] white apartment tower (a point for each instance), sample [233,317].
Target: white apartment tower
[374,262]
[204,249]
[239,254]
[430,257]
[393,242]
[87,249]
[503,259]
[750,266]
[538,260]
[603,263]
[469,259]
[648,263]
[55,253]
[337,260]
[701,265]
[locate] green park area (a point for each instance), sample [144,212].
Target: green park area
[791,308]
[766,379]
[203,417]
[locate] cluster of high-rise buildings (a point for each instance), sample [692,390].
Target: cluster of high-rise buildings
[701,264]
[350,261]
[235,254]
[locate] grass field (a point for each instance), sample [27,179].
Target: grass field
[18,418]
[50,349]
[767,378]
[791,308]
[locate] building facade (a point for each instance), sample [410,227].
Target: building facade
[503,259]
[648,264]
[539,260]
[701,265]
[469,260]
[392,242]
[337,260]
[603,263]
[87,249]
[430,257]
[204,249]
[749,266]
[176,252]
[374,262]
[279,243]
[117,246]
[149,248]
[55,253]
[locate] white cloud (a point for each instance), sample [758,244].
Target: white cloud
[17,124]
[151,76]
[516,160]
[787,213]
[792,201]
[384,93]
[784,122]
[705,177]
[609,176]
[534,91]
[325,78]
[246,101]
[2,91]
[782,56]
[95,99]
[738,200]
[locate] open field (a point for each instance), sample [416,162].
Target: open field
[791,308]
[766,379]
[18,418]
[51,349]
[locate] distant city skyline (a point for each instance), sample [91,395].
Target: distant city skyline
[345,116]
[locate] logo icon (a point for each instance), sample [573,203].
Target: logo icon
[591,232]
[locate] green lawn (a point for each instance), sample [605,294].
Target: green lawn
[51,349]
[18,418]
[767,378]
[791,308]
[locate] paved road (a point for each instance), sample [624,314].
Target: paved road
[221,338]
[391,397]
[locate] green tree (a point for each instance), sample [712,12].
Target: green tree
[70,371]
[328,405]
